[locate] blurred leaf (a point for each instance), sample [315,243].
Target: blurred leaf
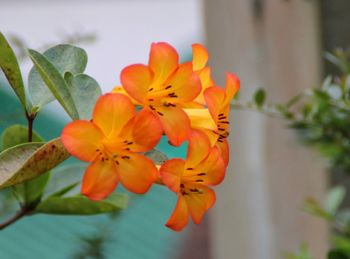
[64,190]
[65,58]
[334,198]
[259,97]
[10,67]
[63,177]
[334,254]
[341,244]
[313,207]
[156,156]
[303,253]
[32,190]
[55,82]
[80,205]
[27,161]
[85,91]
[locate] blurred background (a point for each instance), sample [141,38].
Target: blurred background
[275,44]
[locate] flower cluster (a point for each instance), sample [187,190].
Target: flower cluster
[180,101]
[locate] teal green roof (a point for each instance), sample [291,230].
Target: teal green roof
[138,232]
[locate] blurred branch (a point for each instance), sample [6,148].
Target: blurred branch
[74,38]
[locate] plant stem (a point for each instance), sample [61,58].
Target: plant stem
[30,119]
[23,211]
[16,217]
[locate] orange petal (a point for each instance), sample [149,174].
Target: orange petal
[198,148]
[81,139]
[100,179]
[201,118]
[112,112]
[211,170]
[215,99]
[200,56]
[163,61]
[171,172]
[176,124]
[199,203]
[232,87]
[185,84]
[136,80]
[206,81]
[147,130]
[121,90]
[180,216]
[137,173]
[225,150]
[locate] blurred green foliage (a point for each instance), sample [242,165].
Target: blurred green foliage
[321,118]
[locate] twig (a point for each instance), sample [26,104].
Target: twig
[16,217]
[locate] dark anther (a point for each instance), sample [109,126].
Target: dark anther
[127,149]
[221,129]
[221,114]
[169,86]
[161,114]
[189,168]
[151,99]
[130,143]
[173,95]
[184,193]
[97,150]
[225,122]
[152,108]
[199,181]
[150,90]
[201,174]
[182,185]
[194,190]
[116,161]
[103,159]
[125,157]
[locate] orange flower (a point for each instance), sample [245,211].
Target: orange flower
[109,141]
[218,101]
[190,179]
[163,87]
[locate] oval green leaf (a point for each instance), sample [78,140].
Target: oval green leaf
[10,67]
[85,91]
[80,205]
[30,191]
[65,58]
[27,161]
[55,82]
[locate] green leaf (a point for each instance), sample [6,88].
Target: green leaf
[65,58]
[156,156]
[64,190]
[55,82]
[15,135]
[259,97]
[341,244]
[27,161]
[303,253]
[313,207]
[80,205]
[10,67]
[32,190]
[334,198]
[334,254]
[85,91]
